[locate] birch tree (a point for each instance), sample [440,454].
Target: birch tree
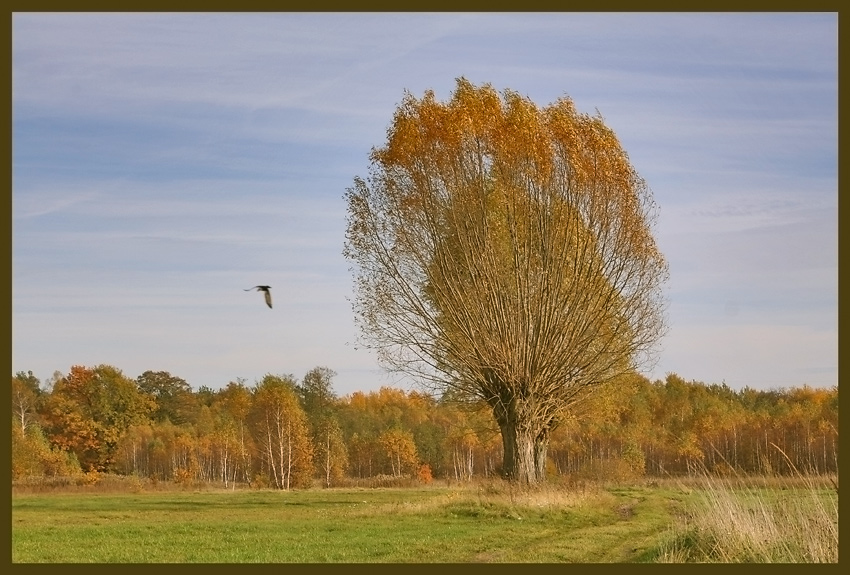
[280,430]
[25,394]
[331,455]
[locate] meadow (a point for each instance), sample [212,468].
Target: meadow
[491,521]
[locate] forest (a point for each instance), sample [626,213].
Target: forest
[284,433]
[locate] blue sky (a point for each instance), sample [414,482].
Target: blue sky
[162,163]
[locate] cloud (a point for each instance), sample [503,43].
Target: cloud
[180,198]
[736,208]
[25,206]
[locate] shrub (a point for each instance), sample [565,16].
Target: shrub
[424,473]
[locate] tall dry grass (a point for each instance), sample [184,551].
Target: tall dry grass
[502,497]
[758,520]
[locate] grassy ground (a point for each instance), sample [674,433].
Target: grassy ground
[486,524]
[490,522]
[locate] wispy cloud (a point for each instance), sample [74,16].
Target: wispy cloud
[36,204]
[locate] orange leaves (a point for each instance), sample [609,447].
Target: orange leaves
[400,450]
[280,426]
[89,410]
[505,138]
[523,144]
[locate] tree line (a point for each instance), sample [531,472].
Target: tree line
[284,433]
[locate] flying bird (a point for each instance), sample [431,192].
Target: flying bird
[266,290]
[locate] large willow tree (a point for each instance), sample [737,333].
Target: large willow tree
[505,252]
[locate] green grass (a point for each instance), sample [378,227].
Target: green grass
[486,524]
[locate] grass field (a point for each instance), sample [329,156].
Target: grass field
[483,523]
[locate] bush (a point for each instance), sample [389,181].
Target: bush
[33,456]
[183,476]
[89,478]
[424,473]
[634,458]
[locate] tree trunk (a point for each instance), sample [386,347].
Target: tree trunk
[541,446]
[525,438]
[288,453]
[519,462]
[328,458]
[224,466]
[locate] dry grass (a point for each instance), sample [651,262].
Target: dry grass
[543,496]
[498,494]
[758,520]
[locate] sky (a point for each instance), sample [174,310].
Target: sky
[162,163]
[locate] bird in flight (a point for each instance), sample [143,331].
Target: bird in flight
[264,289]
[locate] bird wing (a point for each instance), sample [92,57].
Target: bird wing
[268,298]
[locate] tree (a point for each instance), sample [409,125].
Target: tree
[280,429]
[174,399]
[400,450]
[316,392]
[90,409]
[32,455]
[318,400]
[25,394]
[361,451]
[235,403]
[331,455]
[505,251]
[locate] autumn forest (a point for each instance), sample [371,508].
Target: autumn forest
[281,432]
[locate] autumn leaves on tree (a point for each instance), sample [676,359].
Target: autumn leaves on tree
[505,252]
